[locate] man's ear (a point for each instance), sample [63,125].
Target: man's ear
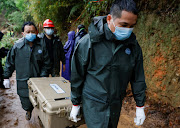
[109,17]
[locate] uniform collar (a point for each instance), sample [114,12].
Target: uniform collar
[21,42]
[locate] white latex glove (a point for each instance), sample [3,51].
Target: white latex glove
[6,83]
[140,116]
[74,112]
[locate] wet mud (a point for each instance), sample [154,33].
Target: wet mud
[11,113]
[157,116]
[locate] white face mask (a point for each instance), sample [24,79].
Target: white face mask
[49,32]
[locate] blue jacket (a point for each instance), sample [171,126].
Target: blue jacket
[68,50]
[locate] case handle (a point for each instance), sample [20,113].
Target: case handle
[33,101]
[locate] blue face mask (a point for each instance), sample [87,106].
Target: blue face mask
[49,32]
[122,33]
[30,37]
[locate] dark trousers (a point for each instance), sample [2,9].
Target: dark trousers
[1,83]
[110,123]
[1,77]
[54,72]
[26,103]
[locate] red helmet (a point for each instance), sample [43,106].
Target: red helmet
[48,23]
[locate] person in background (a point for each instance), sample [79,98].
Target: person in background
[68,49]
[29,58]
[104,62]
[80,33]
[54,47]
[3,53]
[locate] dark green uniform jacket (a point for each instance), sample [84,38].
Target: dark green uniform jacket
[101,70]
[27,62]
[58,54]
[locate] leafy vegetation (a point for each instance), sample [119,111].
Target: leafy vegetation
[60,12]
[16,13]
[7,42]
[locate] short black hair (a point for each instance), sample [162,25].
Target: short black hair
[80,26]
[119,5]
[29,23]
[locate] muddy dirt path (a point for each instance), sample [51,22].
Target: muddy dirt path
[11,113]
[13,116]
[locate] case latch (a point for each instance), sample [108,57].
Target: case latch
[64,112]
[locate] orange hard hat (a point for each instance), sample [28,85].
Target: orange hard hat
[48,23]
